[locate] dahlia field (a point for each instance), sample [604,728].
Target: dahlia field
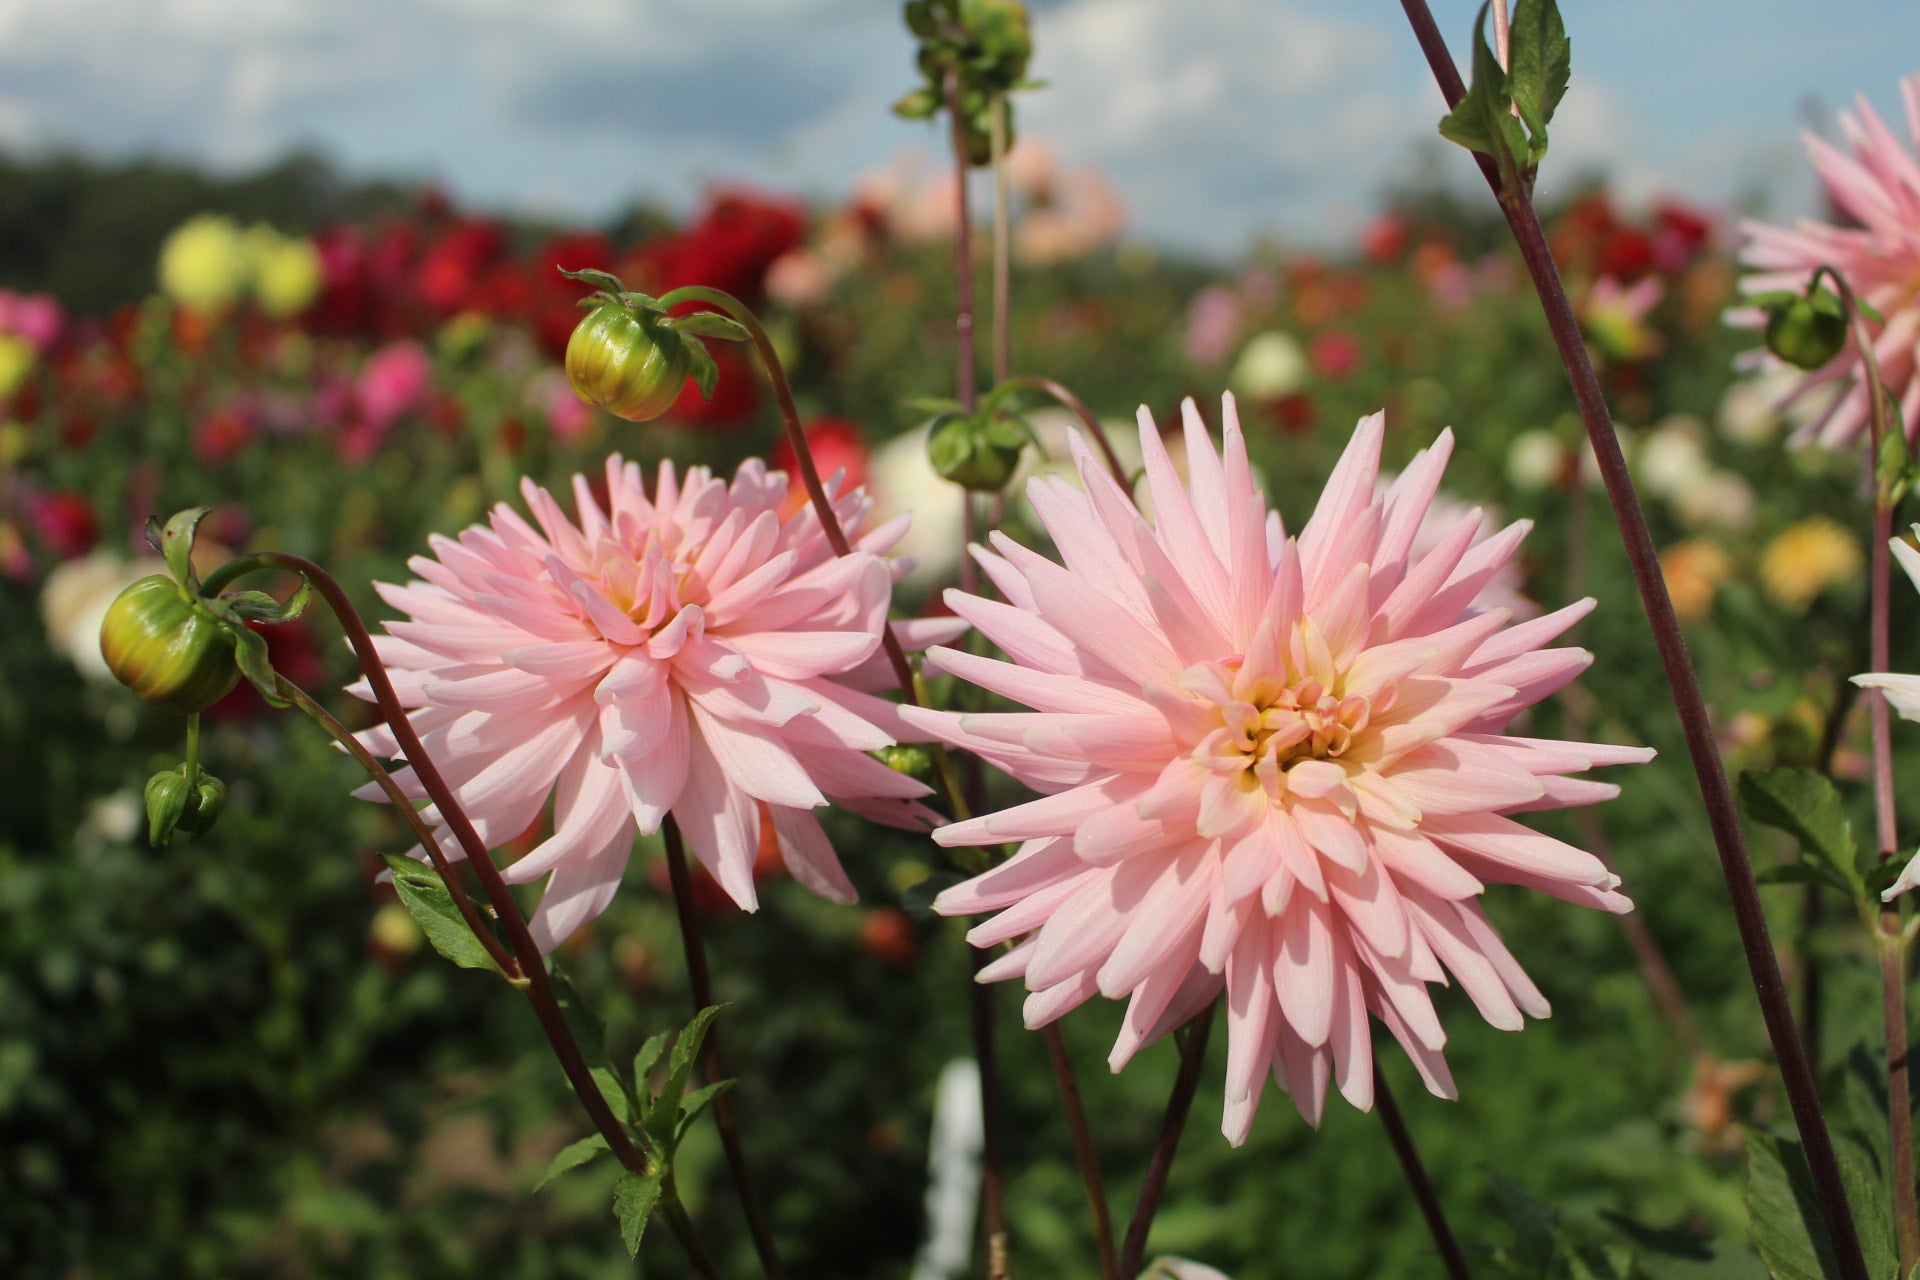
[983,748]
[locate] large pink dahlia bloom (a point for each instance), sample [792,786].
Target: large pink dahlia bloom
[1878,187]
[687,653]
[1274,765]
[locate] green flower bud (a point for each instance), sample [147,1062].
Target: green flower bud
[981,456]
[627,361]
[915,762]
[209,798]
[168,795]
[1005,38]
[167,647]
[1806,331]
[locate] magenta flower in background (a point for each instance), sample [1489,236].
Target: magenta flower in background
[1272,765]
[688,653]
[1877,188]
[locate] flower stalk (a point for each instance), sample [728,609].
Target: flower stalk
[1717,796]
[1417,1180]
[701,984]
[1186,1082]
[528,971]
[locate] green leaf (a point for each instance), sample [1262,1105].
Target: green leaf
[710,324]
[1533,1225]
[1540,65]
[571,1156]
[601,280]
[610,1089]
[1807,806]
[425,897]
[633,1201]
[1871,1205]
[1783,1216]
[1802,873]
[704,372]
[694,1103]
[663,1117]
[644,1062]
[176,544]
[1483,121]
[250,655]
[258,606]
[933,405]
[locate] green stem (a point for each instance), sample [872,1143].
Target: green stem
[193,751]
[1002,238]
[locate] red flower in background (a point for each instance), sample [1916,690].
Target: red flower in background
[63,521]
[453,267]
[553,302]
[728,247]
[224,433]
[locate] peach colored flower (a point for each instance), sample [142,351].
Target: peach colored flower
[686,652]
[1876,189]
[1272,765]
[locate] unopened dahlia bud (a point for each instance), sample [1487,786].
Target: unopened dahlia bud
[976,454]
[1806,330]
[168,648]
[176,802]
[626,361]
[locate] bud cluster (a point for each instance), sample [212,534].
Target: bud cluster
[986,45]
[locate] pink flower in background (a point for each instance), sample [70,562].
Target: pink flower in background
[394,381]
[689,652]
[1876,190]
[37,318]
[1271,765]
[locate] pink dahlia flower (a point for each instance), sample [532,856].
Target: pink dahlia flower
[1273,765]
[688,653]
[1878,188]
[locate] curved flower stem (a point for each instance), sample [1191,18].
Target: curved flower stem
[1887,932]
[1422,1188]
[1078,408]
[797,438]
[531,977]
[1717,796]
[711,1063]
[1083,1150]
[402,805]
[1002,235]
[1193,1054]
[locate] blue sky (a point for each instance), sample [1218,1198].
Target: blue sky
[1217,120]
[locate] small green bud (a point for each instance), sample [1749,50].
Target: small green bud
[976,455]
[915,762]
[175,804]
[209,799]
[1005,37]
[167,797]
[1806,330]
[167,647]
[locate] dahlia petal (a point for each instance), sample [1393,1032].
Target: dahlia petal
[590,816]
[1081,933]
[576,893]
[1176,523]
[1303,976]
[1506,843]
[809,855]
[1427,1059]
[655,781]
[1164,932]
[757,764]
[1043,1007]
[1038,863]
[1901,692]
[1041,690]
[720,822]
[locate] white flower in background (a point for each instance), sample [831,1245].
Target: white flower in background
[1752,411]
[902,481]
[1719,499]
[1180,1269]
[1902,693]
[74,600]
[1536,460]
[953,1174]
[1271,365]
[1672,460]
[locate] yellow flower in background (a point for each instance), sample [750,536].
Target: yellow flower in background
[285,270]
[203,263]
[1807,559]
[16,361]
[1694,571]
